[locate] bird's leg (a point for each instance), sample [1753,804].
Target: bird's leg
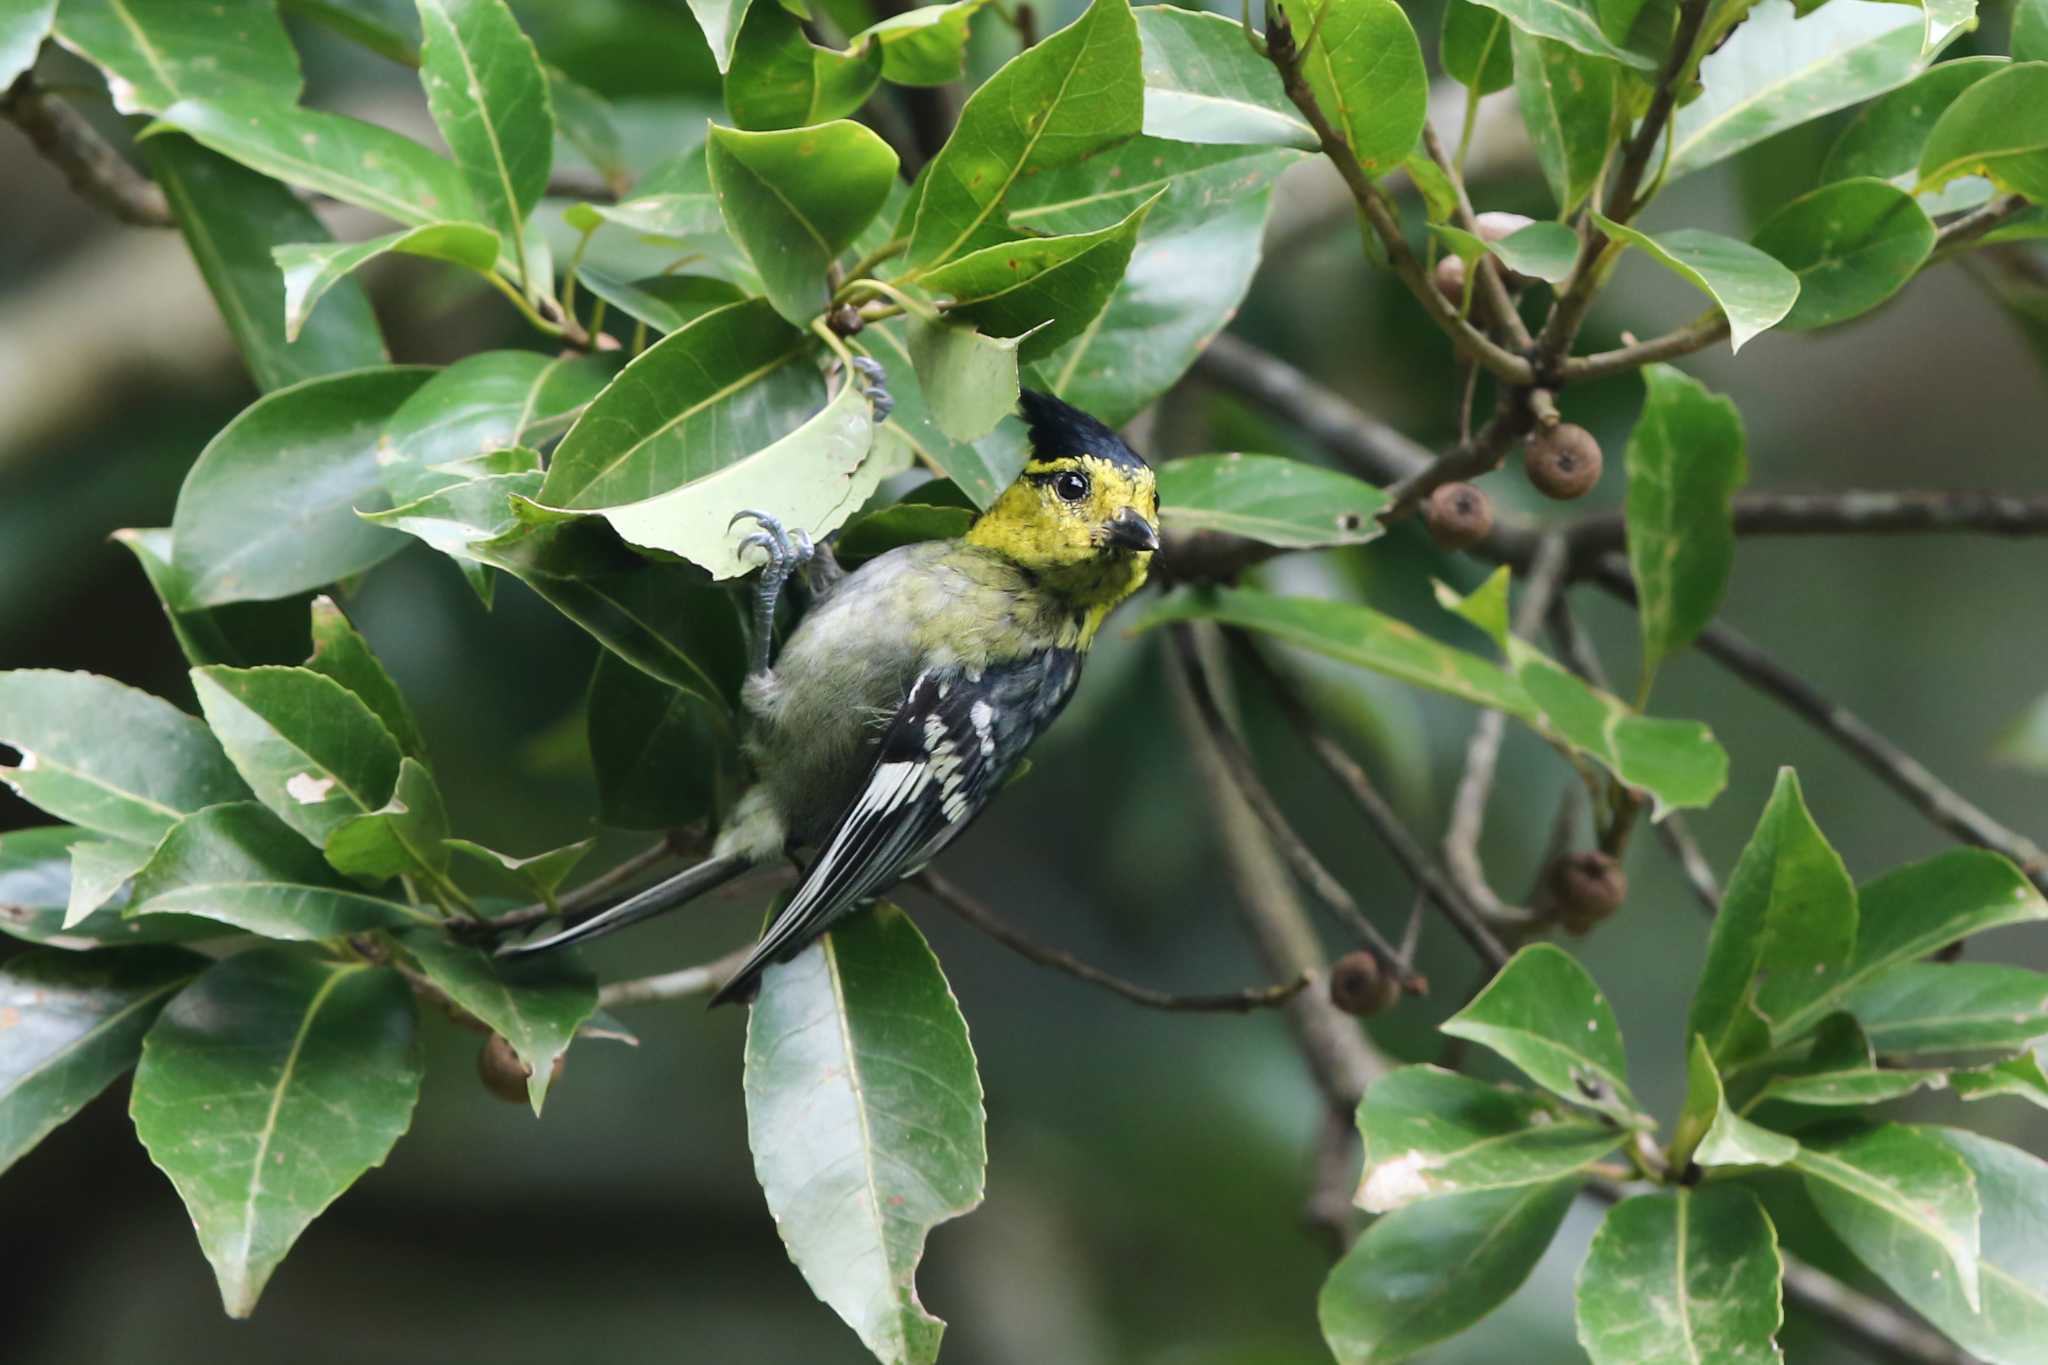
[787,551]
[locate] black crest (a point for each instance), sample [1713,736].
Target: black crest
[1059,428]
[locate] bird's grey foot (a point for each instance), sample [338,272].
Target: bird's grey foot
[874,382]
[786,551]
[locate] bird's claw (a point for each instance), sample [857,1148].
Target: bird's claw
[787,550]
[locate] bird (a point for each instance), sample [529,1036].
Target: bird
[910,689]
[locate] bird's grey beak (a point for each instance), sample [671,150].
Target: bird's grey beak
[1129,531]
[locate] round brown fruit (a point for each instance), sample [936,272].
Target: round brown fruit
[1585,888]
[1450,279]
[504,1075]
[1358,985]
[1563,461]
[1457,515]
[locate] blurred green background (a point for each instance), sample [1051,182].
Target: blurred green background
[1147,1172]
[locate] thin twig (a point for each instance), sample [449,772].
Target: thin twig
[1971,226]
[685,984]
[1329,1207]
[957,900]
[1514,416]
[1699,873]
[1871,1321]
[1850,512]
[89,163]
[1493,291]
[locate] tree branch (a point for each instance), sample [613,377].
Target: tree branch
[1849,512]
[957,900]
[88,162]
[685,984]
[1967,229]
[1493,291]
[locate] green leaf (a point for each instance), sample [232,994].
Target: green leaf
[1204,84]
[265,1090]
[721,21]
[1685,461]
[490,98]
[157,52]
[1077,92]
[307,746]
[1543,1013]
[1427,1272]
[666,303]
[458,520]
[1043,291]
[1544,251]
[239,864]
[1270,499]
[1885,137]
[35,894]
[405,836]
[75,1022]
[663,756]
[1841,1070]
[926,45]
[673,200]
[795,199]
[342,654]
[539,876]
[310,269]
[1853,245]
[1678,762]
[2012,1185]
[105,756]
[1778,71]
[99,869]
[1365,69]
[484,403]
[1430,1132]
[1574,23]
[729,383]
[23,26]
[1712,1134]
[1950,1007]
[1683,1275]
[535,1004]
[246,633]
[269,508]
[1790,908]
[882,530]
[969,381]
[1194,261]
[1998,129]
[390,28]
[233,219]
[781,79]
[1474,48]
[358,163]
[1568,103]
[583,119]
[2030,31]
[1903,1201]
[865,1118]
[814,478]
[1752,289]
[982,469]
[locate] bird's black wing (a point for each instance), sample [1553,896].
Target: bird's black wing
[947,750]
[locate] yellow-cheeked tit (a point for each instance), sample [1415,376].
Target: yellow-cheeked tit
[911,688]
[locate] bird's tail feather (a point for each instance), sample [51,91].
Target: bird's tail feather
[788,935]
[663,896]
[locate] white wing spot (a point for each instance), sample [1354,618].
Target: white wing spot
[27,763]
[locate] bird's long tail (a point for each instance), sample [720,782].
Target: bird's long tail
[658,899]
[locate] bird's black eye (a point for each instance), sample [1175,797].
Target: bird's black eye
[1070,486]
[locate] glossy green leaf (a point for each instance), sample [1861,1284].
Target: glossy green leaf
[538,876]
[99,869]
[1271,499]
[1685,461]
[674,200]
[491,401]
[1430,1132]
[1885,137]
[535,1004]
[882,530]
[491,100]
[1950,1007]
[99,754]
[1365,68]
[311,269]
[1543,1013]
[1710,1133]
[265,1090]
[358,163]
[458,520]
[1853,245]
[233,219]
[1429,1271]
[2012,1186]
[342,654]
[1575,23]
[1474,48]
[1544,251]
[781,79]
[1568,105]
[729,383]
[1194,261]
[666,303]
[307,746]
[814,478]
[238,864]
[969,381]
[390,28]
[23,26]
[1903,1201]
[2030,31]
[865,1118]
[926,45]
[244,633]
[1751,288]
[1077,92]
[404,836]
[1044,291]
[795,199]
[269,508]
[583,119]
[1998,129]
[982,468]
[157,52]
[721,21]
[663,756]
[1683,1276]
[1778,71]
[1841,1070]
[74,1023]
[1203,83]
[35,895]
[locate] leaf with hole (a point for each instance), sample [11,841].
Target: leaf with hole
[1271,499]
[1543,1013]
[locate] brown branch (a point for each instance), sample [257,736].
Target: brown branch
[1967,229]
[1493,291]
[1848,512]
[957,900]
[1694,336]
[1514,416]
[88,162]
